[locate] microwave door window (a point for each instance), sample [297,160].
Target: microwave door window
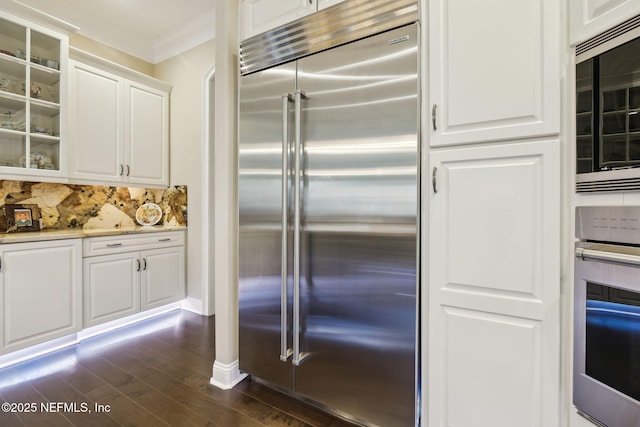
[608,110]
[617,77]
[612,354]
[584,116]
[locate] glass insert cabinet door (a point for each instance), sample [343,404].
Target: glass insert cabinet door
[30,108]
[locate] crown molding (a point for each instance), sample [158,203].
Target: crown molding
[189,36]
[120,70]
[21,10]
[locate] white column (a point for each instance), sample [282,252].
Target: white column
[226,373]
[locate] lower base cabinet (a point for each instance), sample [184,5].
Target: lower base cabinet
[111,287]
[162,277]
[494,286]
[124,275]
[40,292]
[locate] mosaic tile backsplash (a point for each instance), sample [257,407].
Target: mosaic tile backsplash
[66,206]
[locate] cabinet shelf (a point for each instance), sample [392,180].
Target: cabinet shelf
[12,132]
[10,101]
[44,107]
[40,138]
[43,74]
[11,62]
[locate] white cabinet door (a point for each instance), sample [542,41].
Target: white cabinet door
[96,149]
[41,292]
[259,16]
[111,287]
[494,69]
[147,135]
[494,286]
[588,18]
[323,4]
[163,276]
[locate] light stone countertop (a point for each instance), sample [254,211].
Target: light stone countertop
[38,236]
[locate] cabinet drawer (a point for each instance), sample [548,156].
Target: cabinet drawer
[94,246]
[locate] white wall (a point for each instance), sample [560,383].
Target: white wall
[186,72]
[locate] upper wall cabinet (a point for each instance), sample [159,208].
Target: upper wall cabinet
[323,4]
[33,64]
[119,133]
[588,18]
[259,16]
[494,70]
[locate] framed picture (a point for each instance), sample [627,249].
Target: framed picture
[22,218]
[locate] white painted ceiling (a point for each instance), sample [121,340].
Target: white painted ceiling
[152,30]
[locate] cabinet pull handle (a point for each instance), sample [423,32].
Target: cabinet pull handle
[434,179]
[434,112]
[128,170]
[113,245]
[138,261]
[0,264]
[121,169]
[168,239]
[144,264]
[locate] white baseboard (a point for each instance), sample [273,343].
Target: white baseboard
[193,305]
[226,376]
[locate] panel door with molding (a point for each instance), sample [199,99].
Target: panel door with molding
[147,135]
[163,276]
[494,286]
[96,148]
[111,287]
[323,4]
[588,18]
[494,70]
[41,292]
[259,16]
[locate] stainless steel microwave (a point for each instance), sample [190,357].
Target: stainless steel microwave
[608,111]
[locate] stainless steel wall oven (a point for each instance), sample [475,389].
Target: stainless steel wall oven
[606,372]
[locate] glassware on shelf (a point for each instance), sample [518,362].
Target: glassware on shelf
[36,91]
[44,92]
[7,120]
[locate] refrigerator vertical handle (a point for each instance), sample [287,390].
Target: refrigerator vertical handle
[297,357]
[285,351]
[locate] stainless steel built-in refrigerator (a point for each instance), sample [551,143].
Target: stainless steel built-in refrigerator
[328,199]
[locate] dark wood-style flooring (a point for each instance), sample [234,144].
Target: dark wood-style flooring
[155,373]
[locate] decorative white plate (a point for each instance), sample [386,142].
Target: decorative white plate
[148,214]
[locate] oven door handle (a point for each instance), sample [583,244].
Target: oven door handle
[610,257]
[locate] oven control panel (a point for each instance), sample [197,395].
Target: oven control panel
[619,224]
